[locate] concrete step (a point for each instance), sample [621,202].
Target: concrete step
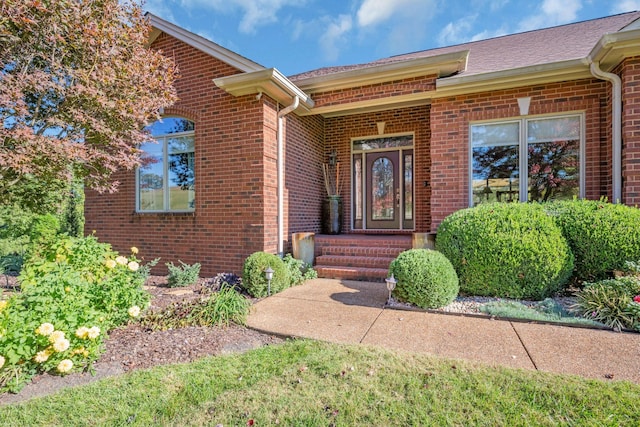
[352,273]
[354,261]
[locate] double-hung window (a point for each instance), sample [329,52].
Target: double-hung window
[528,159]
[166,178]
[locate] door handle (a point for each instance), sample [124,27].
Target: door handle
[398,197]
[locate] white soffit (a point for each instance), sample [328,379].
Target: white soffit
[268,81]
[612,48]
[439,65]
[210,48]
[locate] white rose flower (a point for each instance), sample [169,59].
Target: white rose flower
[65,366]
[93,332]
[134,311]
[61,345]
[45,329]
[133,266]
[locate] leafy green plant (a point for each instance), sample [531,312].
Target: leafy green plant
[72,292]
[425,278]
[299,271]
[546,310]
[614,302]
[183,275]
[11,264]
[220,308]
[253,276]
[601,235]
[506,250]
[224,280]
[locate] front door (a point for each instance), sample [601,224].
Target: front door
[383,190]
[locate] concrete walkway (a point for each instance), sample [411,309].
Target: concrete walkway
[343,311]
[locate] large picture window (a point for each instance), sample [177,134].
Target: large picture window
[529,159]
[166,177]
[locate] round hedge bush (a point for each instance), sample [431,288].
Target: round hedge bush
[425,278]
[505,250]
[601,235]
[253,278]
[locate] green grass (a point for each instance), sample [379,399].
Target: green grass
[307,383]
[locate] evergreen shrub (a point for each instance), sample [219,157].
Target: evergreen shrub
[253,277]
[505,250]
[425,278]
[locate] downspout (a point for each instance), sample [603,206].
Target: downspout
[616,125]
[281,114]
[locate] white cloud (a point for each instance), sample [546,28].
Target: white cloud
[456,32]
[255,13]
[552,12]
[626,6]
[372,12]
[334,37]
[158,8]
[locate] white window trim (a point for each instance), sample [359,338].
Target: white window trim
[163,139]
[523,152]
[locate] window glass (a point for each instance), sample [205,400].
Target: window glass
[551,147]
[553,154]
[382,197]
[408,186]
[378,143]
[495,161]
[166,177]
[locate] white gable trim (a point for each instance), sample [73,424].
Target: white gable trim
[200,43]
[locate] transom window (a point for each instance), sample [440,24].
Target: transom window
[528,159]
[166,177]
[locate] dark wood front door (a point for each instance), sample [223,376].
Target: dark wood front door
[383,190]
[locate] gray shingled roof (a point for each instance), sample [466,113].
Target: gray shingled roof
[562,43]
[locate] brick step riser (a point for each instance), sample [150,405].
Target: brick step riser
[351,261]
[365,243]
[361,251]
[373,275]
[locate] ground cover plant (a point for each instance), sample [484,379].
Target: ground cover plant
[72,292]
[312,383]
[183,274]
[425,278]
[299,271]
[546,310]
[505,250]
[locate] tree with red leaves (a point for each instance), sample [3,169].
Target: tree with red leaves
[78,84]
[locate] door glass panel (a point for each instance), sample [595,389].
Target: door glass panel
[357,186]
[382,197]
[408,186]
[150,178]
[553,148]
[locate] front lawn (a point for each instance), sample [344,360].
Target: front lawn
[312,383]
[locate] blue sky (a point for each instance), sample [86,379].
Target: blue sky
[302,35]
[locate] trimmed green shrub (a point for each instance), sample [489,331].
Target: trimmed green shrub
[253,277]
[601,235]
[611,302]
[182,275]
[504,250]
[425,278]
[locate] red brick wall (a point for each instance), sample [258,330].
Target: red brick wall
[631,131]
[374,91]
[450,118]
[340,130]
[304,185]
[232,163]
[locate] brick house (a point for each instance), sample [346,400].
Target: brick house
[546,114]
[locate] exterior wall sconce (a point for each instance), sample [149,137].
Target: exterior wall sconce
[391,285]
[333,156]
[268,274]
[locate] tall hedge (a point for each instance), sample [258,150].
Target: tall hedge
[602,235]
[253,276]
[505,250]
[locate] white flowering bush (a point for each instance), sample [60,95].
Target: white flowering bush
[71,294]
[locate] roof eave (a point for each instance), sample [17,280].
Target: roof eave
[517,77]
[440,65]
[268,81]
[239,62]
[612,48]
